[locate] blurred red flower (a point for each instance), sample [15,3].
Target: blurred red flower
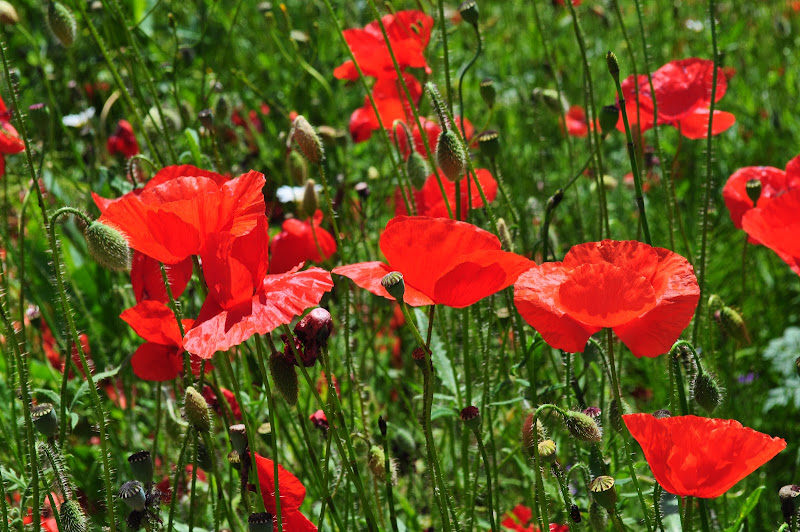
[49,346]
[123,141]
[291,491]
[577,126]
[698,456]
[443,262]
[296,244]
[432,131]
[519,520]
[392,105]
[147,281]
[647,295]
[10,141]
[777,226]
[683,94]
[430,202]
[213,401]
[242,299]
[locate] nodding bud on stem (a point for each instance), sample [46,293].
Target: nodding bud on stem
[469,12]
[260,522]
[310,201]
[8,15]
[613,65]
[450,155]
[706,392]
[733,324]
[753,189]
[471,417]
[393,283]
[417,170]
[285,377]
[582,427]
[488,92]
[61,22]
[555,199]
[142,466]
[603,491]
[108,247]
[307,140]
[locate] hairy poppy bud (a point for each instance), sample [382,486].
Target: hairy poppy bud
[505,235]
[609,116]
[132,494]
[582,427]
[45,419]
[142,466]
[61,23]
[598,517]
[285,377]
[661,414]
[450,156]
[108,247]
[417,170]
[72,516]
[469,12]
[733,324]
[393,283]
[307,140]
[753,189]
[298,167]
[260,522]
[310,202]
[788,494]
[549,98]
[488,92]
[195,409]
[603,491]
[613,65]
[238,436]
[471,417]
[375,462]
[706,392]
[547,451]
[489,143]
[528,439]
[8,15]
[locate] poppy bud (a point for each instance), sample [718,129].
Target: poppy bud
[203,456]
[615,414]
[489,143]
[603,491]
[195,409]
[598,517]
[753,189]
[788,494]
[142,466]
[450,156]
[393,283]
[547,451]
[260,522]
[285,377]
[419,356]
[733,324]
[417,170]
[505,235]
[528,440]
[108,247]
[72,517]
[8,15]
[471,417]
[238,436]
[310,202]
[206,117]
[582,427]
[469,12]
[706,392]
[549,98]
[298,167]
[132,494]
[575,513]
[45,419]
[307,140]
[222,108]
[609,116]
[488,92]
[661,414]
[377,463]
[61,23]
[314,329]
[613,65]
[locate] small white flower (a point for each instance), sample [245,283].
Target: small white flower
[287,194]
[78,120]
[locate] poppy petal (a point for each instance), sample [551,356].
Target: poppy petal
[153,321]
[148,283]
[298,522]
[777,226]
[773,182]
[168,173]
[479,275]
[157,363]
[368,275]
[628,254]
[695,125]
[291,490]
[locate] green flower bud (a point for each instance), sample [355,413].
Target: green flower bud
[706,392]
[582,427]
[488,92]
[196,410]
[753,189]
[285,377]
[61,23]
[733,324]
[613,65]
[547,451]
[417,170]
[310,202]
[450,156]
[598,517]
[72,517]
[489,143]
[108,247]
[298,167]
[609,116]
[307,140]
[505,235]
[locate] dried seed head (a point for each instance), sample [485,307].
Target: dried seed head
[238,436]
[132,493]
[393,283]
[603,491]
[142,466]
[582,427]
[450,156]
[108,247]
[788,494]
[45,419]
[206,117]
[196,410]
[469,12]
[307,140]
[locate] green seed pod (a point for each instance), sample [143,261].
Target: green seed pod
[733,324]
[450,156]
[489,143]
[706,392]
[285,377]
[310,202]
[469,12]
[488,92]
[142,466]
[260,522]
[603,491]
[222,109]
[45,419]
[307,140]
[196,410]
[61,23]
[72,517]
[238,436]
[108,247]
[206,117]
[132,493]
[582,427]
[393,283]
[598,517]
[547,451]
[609,116]
[753,189]
[417,170]
[471,417]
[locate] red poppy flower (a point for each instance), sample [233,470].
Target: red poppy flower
[443,262]
[172,220]
[577,126]
[10,141]
[242,299]
[683,93]
[49,346]
[777,226]
[148,283]
[291,491]
[430,202]
[647,295]
[296,244]
[432,131]
[698,456]
[408,32]
[519,520]
[319,420]
[392,104]
[213,401]
[123,141]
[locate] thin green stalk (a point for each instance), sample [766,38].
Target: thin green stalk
[4,504]
[273,430]
[327,499]
[488,469]
[387,467]
[178,474]
[541,501]
[331,213]
[193,490]
[446,54]
[225,501]
[464,73]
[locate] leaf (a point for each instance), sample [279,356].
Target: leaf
[442,412]
[95,378]
[747,507]
[440,361]
[50,394]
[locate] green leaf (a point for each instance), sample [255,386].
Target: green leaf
[442,412]
[440,361]
[95,378]
[747,507]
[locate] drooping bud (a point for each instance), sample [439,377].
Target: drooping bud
[222,109]
[733,324]
[706,392]
[417,170]
[469,12]
[450,156]
[196,410]
[603,491]
[753,189]
[788,494]
[238,435]
[61,23]
[8,14]
[505,235]
[376,464]
[72,517]
[132,493]
[489,143]
[598,517]
[549,98]
[108,247]
[260,522]
[142,466]
[582,427]
[45,419]
[488,92]
[613,65]
[285,377]
[609,116]
[307,140]
[471,417]
[393,283]
[547,451]
[310,202]
[528,437]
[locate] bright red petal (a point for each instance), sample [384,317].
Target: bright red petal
[576,122]
[148,283]
[433,204]
[10,141]
[168,173]
[157,363]
[368,275]
[295,521]
[777,226]
[297,243]
[291,490]
[773,182]
[695,125]
[154,322]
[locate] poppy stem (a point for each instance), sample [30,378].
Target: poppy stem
[446,54]
[704,514]
[461,79]
[544,520]
[273,427]
[387,466]
[688,517]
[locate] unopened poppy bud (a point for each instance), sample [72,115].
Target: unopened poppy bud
[108,247]
[393,283]
[238,435]
[471,417]
[204,456]
[307,140]
[549,98]
[260,522]
[733,324]
[206,117]
[575,513]
[788,494]
[609,116]
[469,12]
[488,92]
[142,466]
[382,426]
[603,491]
[450,156]
[196,410]
[132,494]
[61,23]
[45,419]
[528,437]
[419,356]
[235,460]
[555,199]
[222,108]
[661,414]
[310,202]
[613,65]
[505,235]
[72,517]
[706,392]
[598,517]
[285,377]
[582,427]
[753,189]
[417,170]
[489,143]
[547,451]
[314,329]
[8,15]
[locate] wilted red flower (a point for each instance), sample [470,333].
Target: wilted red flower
[173,216]
[777,226]
[698,456]
[392,104]
[296,244]
[147,282]
[123,141]
[683,93]
[577,126]
[430,202]
[443,262]
[242,299]
[291,491]
[161,357]
[647,295]
[408,32]
[10,141]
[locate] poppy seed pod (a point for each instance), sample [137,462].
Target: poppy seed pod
[505,235]
[788,494]
[661,414]
[45,419]
[108,247]
[132,493]
[450,156]
[394,284]
[603,491]
[61,23]
[72,516]
[285,377]
[307,140]
[417,170]
[753,189]
[609,116]
[206,117]
[310,201]
[488,92]
[142,466]
[260,522]
[469,12]
[489,143]
[195,409]
[613,65]
[582,427]
[549,98]
[238,436]
[471,417]
[706,392]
